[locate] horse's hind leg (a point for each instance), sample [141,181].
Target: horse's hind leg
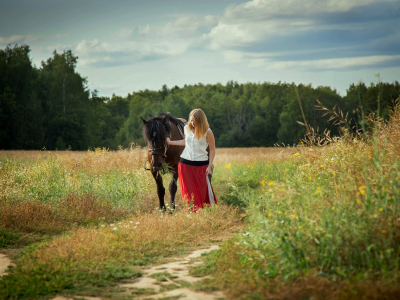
[173,187]
[160,189]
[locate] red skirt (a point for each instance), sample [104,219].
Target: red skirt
[195,190]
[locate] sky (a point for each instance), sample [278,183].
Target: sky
[126,46]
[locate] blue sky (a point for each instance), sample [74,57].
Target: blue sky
[126,46]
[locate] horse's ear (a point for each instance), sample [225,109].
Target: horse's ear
[144,121]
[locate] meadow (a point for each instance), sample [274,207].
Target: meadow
[294,223]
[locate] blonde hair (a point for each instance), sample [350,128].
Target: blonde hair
[201,123]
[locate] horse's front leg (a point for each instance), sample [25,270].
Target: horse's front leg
[160,189]
[173,187]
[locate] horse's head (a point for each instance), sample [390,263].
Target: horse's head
[155,130]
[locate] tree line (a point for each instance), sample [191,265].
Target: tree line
[51,106]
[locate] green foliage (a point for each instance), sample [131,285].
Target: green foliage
[330,217]
[44,280]
[8,237]
[52,107]
[60,181]
[207,285]
[208,267]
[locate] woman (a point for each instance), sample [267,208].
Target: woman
[195,165]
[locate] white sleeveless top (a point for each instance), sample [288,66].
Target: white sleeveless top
[195,150]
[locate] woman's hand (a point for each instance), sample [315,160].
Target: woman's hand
[168,140]
[208,170]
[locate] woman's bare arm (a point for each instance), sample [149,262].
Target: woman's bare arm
[175,143]
[211,144]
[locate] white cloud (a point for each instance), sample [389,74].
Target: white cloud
[232,57]
[183,26]
[323,64]
[262,20]
[99,53]
[146,42]
[19,39]
[261,9]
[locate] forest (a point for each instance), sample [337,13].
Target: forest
[51,107]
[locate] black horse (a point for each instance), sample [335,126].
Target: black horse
[160,155]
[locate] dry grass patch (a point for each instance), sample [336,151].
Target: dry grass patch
[141,237]
[71,211]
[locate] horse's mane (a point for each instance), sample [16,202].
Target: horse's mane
[155,124]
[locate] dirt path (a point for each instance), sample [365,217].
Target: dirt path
[4,263]
[179,270]
[153,285]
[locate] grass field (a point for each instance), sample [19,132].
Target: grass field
[310,222]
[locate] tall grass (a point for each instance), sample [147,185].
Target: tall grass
[323,224]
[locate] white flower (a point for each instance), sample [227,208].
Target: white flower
[115,228]
[111,225]
[103,225]
[131,222]
[134,227]
[137,223]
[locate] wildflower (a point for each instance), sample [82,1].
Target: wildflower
[362,189]
[111,225]
[228,166]
[317,191]
[381,209]
[115,228]
[134,227]
[375,215]
[269,215]
[383,231]
[333,207]
[271,183]
[279,239]
[262,182]
[103,225]
[137,223]
[131,222]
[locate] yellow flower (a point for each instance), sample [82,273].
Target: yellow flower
[269,215]
[228,166]
[262,182]
[279,239]
[317,191]
[362,189]
[381,209]
[333,207]
[383,231]
[271,183]
[375,215]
